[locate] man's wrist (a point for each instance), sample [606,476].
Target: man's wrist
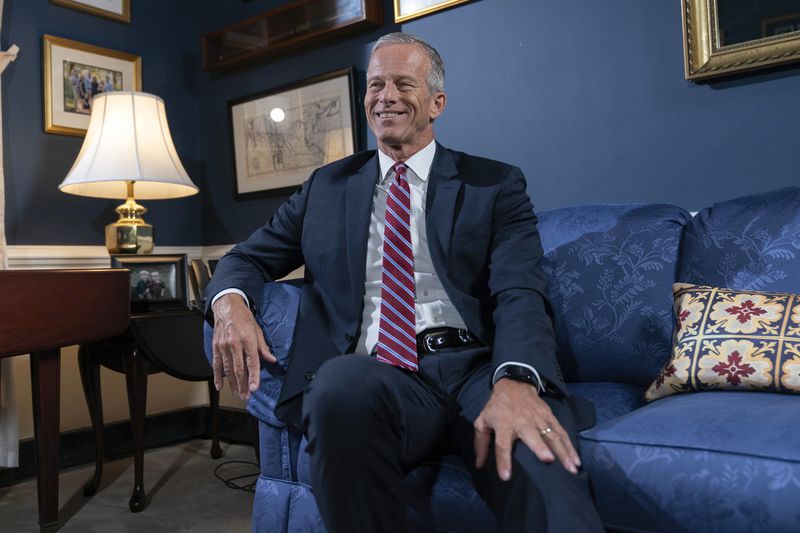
[225,292]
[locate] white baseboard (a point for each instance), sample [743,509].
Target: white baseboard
[29,257]
[25,256]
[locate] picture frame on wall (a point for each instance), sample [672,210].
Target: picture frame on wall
[119,10]
[405,10]
[74,73]
[158,281]
[280,136]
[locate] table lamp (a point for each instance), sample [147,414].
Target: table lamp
[128,144]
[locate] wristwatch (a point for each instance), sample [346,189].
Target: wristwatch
[518,373]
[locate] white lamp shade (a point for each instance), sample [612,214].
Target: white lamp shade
[128,140]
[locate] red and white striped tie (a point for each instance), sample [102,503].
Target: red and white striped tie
[397,341]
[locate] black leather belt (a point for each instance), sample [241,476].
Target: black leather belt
[431,341]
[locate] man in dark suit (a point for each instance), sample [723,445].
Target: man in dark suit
[480,379]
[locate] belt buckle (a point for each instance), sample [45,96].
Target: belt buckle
[429,339]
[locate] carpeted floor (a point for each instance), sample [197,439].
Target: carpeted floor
[182,495]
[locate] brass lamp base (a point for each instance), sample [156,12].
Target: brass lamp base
[130,234]
[129,238]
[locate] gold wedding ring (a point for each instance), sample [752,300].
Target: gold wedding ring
[545,431]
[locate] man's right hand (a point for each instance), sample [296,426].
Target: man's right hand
[238,343]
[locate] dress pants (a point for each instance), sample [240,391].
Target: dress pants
[368,424]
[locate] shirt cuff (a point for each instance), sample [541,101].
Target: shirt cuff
[497,373]
[222,293]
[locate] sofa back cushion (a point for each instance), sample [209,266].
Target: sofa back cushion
[610,270]
[748,243]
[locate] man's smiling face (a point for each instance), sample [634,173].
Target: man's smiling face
[399,105]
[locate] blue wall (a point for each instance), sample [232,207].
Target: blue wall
[165,36]
[589,98]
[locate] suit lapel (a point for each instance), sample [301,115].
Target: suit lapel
[441,203]
[360,192]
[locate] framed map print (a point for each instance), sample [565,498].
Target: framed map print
[281,136]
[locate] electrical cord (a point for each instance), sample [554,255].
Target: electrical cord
[233,482]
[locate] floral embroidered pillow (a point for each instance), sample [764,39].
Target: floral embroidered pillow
[732,340]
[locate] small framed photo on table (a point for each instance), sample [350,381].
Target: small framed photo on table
[158,281]
[74,73]
[281,136]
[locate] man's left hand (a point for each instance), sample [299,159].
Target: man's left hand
[515,411]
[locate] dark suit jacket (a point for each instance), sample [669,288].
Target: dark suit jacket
[483,242]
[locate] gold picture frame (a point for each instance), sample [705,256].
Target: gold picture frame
[405,10]
[73,73]
[704,57]
[119,10]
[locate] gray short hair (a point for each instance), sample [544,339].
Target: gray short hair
[436,72]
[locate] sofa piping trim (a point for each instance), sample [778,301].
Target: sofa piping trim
[691,448]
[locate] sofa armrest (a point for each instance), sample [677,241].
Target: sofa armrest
[276,315]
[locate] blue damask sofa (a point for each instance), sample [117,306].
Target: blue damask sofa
[705,461]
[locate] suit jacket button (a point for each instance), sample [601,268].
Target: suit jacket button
[310,376]
[348,337]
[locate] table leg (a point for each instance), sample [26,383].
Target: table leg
[89,365]
[213,400]
[46,388]
[136,369]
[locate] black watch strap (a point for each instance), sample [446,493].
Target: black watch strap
[518,373]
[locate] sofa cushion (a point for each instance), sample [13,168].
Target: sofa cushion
[610,399]
[749,243]
[610,270]
[737,340]
[721,461]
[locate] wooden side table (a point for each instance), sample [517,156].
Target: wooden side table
[42,311]
[169,341]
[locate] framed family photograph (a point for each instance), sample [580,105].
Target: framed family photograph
[281,136]
[74,73]
[405,10]
[158,281]
[119,10]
